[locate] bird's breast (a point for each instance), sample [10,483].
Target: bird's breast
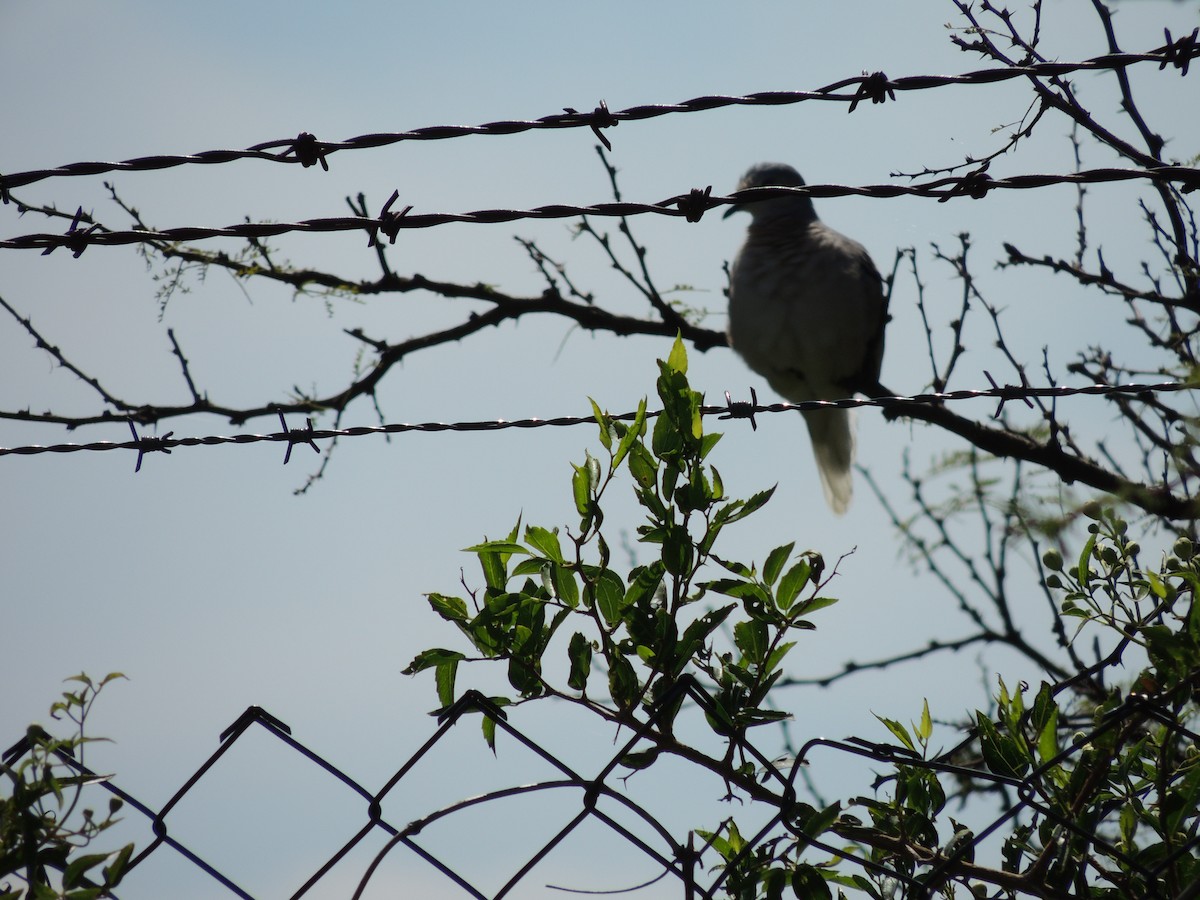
[803,306]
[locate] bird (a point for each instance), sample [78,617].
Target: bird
[807,311]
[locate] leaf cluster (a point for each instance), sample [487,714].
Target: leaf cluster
[1098,792]
[633,635]
[44,828]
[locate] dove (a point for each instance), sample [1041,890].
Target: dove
[807,312]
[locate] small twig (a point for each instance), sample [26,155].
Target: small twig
[183,364]
[55,352]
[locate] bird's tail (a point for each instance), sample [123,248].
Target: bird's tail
[832,433]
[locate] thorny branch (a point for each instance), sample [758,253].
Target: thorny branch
[1057,92]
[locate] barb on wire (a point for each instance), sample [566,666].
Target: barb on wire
[690,206]
[297,436]
[741,409]
[875,87]
[148,445]
[308,151]
[601,118]
[389,222]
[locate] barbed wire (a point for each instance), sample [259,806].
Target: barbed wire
[731,410]
[690,206]
[308,151]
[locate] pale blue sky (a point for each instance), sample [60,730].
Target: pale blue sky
[214,588]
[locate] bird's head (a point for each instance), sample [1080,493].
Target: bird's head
[773,175]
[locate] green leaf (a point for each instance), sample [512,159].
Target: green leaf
[580,489]
[925,728]
[736,567]
[643,466]
[1181,801]
[499,547]
[593,469]
[1045,720]
[751,638]
[696,635]
[677,361]
[493,559]
[1193,617]
[1172,654]
[566,588]
[1128,823]
[494,574]
[644,583]
[635,431]
[1001,753]
[622,682]
[740,509]
[427,659]
[666,440]
[751,717]
[855,882]
[820,821]
[500,602]
[605,425]
[727,846]
[1157,586]
[533,565]
[900,732]
[813,604]
[452,609]
[79,866]
[579,651]
[609,593]
[809,884]
[444,676]
[524,672]
[114,871]
[642,759]
[698,425]
[715,841]
[677,552]
[1083,570]
[546,541]
[793,583]
[735,587]
[775,562]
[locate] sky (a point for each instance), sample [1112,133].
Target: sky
[213,587]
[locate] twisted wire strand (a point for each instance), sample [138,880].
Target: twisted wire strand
[731,410]
[307,150]
[690,206]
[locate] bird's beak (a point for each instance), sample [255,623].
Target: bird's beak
[735,208]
